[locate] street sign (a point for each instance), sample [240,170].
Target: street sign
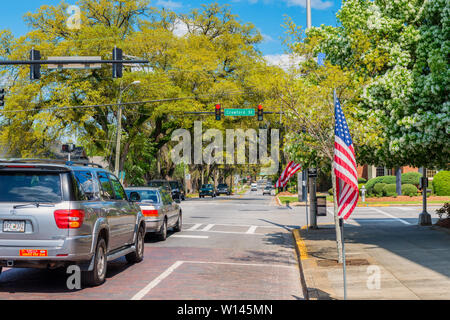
[239,112]
[75,66]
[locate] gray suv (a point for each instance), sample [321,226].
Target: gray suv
[55,214]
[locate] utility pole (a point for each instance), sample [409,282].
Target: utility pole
[308,14]
[119,128]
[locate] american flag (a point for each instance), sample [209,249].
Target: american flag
[344,166]
[291,169]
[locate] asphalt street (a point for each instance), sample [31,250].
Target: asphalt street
[231,248]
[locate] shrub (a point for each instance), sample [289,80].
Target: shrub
[330,192]
[383,179]
[409,190]
[371,183]
[390,190]
[388,179]
[441,183]
[411,178]
[444,211]
[362,180]
[378,189]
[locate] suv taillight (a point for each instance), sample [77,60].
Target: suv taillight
[69,219]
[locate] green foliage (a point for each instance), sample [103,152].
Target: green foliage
[378,189]
[411,178]
[382,179]
[362,180]
[330,192]
[441,183]
[401,49]
[409,190]
[390,190]
[444,212]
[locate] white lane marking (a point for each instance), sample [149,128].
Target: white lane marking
[251,230]
[391,216]
[376,220]
[234,232]
[207,228]
[141,294]
[195,227]
[191,237]
[242,264]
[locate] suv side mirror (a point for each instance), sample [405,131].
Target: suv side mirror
[135,197]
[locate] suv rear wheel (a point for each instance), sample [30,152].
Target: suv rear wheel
[138,255]
[97,276]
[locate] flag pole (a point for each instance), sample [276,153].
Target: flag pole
[336,209]
[344,267]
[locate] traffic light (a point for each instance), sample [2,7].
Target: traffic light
[218,112]
[35,69]
[2,97]
[260,113]
[117,67]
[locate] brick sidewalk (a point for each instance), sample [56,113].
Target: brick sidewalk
[412,262]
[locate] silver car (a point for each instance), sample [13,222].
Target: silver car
[55,214]
[159,209]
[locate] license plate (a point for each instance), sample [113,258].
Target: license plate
[13,226]
[33,253]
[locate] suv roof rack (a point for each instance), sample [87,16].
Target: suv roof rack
[56,161]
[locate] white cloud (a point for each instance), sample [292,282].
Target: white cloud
[284,61]
[169,4]
[181,28]
[315,4]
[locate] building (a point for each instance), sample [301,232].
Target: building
[368,172]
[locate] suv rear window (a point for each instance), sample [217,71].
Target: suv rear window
[30,187]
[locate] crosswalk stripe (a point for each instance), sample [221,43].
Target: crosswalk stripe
[195,227]
[252,229]
[208,227]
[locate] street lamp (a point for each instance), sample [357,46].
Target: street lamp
[119,127]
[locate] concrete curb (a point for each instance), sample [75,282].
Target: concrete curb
[302,253]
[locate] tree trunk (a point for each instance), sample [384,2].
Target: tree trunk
[336,219]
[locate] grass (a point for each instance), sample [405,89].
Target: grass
[291,199]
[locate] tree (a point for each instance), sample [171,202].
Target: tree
[401,49]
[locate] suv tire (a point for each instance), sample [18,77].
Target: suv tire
[179,224]
[97,276]
[138,255]
[162,234]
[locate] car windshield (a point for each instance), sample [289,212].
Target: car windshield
[30,187]
[146,195]
[174,184]
[207,186]
[223,186]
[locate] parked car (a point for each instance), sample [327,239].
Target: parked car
[223,188]
[267,190]
[166,185]
[177,190]
[55,214]
[159,210]
[254,187]
[207,190]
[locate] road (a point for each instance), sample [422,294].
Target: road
[231,248]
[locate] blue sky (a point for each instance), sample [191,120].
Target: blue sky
[266,15]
